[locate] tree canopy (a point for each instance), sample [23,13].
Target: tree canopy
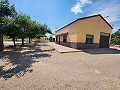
[115,38]
[19,25]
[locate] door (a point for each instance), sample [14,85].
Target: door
[59,39]
[56,39]
[104,40]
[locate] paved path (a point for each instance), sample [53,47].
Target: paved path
[63,49]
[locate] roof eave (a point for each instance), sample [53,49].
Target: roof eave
[85,18]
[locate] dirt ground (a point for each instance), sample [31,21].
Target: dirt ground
[40,67]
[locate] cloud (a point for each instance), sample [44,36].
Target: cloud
[115,28]
[77,8]
[111,9]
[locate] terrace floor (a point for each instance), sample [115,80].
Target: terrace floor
[62,49]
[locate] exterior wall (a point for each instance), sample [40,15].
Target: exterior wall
[71,30]
[93,26]
[43,39]
[77,31]
[71,36]
[61,38]
[87,46]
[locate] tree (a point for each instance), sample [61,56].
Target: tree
[46,29]
[24,22]
[5,11]
[33,30]
[18,25]
[22,26]
[12,30]
[43,29]
[115,38]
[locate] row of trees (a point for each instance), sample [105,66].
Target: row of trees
[115,38]
[19,25]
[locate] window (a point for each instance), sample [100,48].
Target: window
[64,38]
[89,39]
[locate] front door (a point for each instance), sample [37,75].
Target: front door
[104,40]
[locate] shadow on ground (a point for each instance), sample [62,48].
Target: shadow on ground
[101,51]
[18,61]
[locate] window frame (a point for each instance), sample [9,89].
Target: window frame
[65,38]
[86,42]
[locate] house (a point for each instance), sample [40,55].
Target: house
[88,32]
[52,38]
[43,39]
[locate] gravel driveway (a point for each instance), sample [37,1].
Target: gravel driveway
[39,67]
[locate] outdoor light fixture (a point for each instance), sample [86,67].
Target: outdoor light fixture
[104,17]
[107,16]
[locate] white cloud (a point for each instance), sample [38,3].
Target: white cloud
[115,28]
[77,8]
[111,9]
[112,12]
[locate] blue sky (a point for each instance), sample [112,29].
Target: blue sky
[58,13]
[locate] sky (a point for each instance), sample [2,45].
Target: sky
[58,13]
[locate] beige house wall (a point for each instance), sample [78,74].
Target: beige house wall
[77,31]
[61,38]
[93,26]
[43,39]
[72,32]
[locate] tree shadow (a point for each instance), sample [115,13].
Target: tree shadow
[18,62]
[41,45]
[101,51]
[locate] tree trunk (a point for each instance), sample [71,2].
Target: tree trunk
[29,40]
[16,39]
[1,42]
[22,41]
[14,42]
